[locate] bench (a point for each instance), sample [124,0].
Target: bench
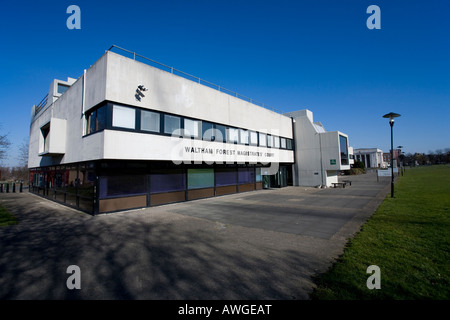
[336,184]
[347,181]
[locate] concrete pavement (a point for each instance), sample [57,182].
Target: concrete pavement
[265,244]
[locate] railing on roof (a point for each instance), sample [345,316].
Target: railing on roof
[41,105]
[185,75]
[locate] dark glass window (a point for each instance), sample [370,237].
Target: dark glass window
[344,150]
[45,131]
[62,88]
[150,121]
[208,131]
[226,177]
[200,178]
[167,180]
[258,175]
[86,176]
[289,144]
[172,124]
[220,133]
[97,120]
[246,175]
[122,185]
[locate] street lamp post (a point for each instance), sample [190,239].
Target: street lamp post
[391,117]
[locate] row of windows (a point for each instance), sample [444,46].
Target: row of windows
[128,118]
[172,180]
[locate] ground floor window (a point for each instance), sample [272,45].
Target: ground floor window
[105,186]
[246,175]
[122,185]
[167,180]
[200,178]
[73,185]
[226,177]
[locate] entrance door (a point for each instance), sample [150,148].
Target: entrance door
[279,180]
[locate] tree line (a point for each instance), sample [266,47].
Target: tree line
[440,156]
[19,172]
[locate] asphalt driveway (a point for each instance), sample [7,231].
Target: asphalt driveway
[264,244]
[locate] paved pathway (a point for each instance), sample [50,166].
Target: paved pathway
[258,245]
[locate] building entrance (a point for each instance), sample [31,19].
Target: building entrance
[281,179]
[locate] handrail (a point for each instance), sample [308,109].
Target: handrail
[188,76]
[41,104]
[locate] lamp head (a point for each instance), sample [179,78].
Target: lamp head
[391,116]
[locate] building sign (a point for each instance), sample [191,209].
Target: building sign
[215,152]
[332,161]
[187,151]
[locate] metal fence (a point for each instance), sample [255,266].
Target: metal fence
[41,104]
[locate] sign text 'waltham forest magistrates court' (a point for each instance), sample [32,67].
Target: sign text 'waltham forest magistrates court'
[229,152]
[188,151]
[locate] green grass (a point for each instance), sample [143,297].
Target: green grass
[408,237]
[6,218]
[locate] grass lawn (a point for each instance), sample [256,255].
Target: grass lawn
[6,218]
[408,238]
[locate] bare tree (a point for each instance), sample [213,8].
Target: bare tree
[22,158]
[4,145]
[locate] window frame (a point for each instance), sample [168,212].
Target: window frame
[262,137]
[236,134]
[142,111]
[244,137]
[167,115]
[253,133]
[120,107]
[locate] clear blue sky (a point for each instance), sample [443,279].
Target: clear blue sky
[290,55]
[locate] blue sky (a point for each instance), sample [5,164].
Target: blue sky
[290,55]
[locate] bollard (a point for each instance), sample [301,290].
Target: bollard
[13,187]
[21,187]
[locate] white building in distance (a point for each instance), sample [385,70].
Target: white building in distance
[371,157]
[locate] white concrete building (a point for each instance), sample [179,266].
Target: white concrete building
[319,154]
[371,157]
[127,134]
[351,156]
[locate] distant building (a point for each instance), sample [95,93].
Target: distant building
[371,157]
[387,156]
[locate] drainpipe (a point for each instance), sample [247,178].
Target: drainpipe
[321,160]
[294,169]
[83,100]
